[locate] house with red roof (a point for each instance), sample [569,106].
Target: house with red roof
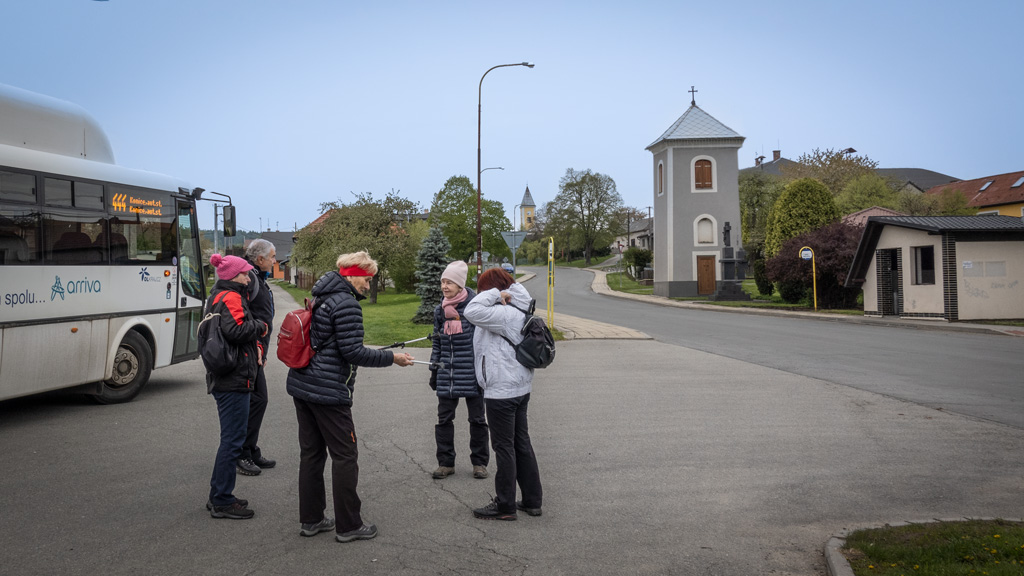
[992,195]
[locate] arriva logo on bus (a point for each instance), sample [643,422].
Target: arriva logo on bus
[84,286]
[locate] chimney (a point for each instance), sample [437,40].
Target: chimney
[776,155]
[758,160]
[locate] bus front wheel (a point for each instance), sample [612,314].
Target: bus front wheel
[133,364]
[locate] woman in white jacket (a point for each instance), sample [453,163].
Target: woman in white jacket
[496,311]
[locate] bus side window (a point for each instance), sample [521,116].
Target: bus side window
[72,239]
[19,234]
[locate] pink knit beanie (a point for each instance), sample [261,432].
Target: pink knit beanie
[456,272]
[229,266]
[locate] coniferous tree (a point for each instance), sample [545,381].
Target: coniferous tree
[430,264]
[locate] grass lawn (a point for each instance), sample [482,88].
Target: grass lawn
[389,320]
[973,547]
[621,282]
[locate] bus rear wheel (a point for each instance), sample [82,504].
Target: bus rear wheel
[133,364]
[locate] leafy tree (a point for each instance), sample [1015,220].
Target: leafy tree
[365,224]
[402,271]
[454,209]
[430,264]
[954,203]
[833,168]
[866,191]
[804,205]
[637,259]
[758,192]
[588,203]
[834,247]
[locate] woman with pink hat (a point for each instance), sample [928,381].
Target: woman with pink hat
[453,375]
[232,390]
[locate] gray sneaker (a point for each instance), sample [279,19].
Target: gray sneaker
[364,532]
[318,527]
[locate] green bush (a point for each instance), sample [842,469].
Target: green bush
[804,205]
[637,258]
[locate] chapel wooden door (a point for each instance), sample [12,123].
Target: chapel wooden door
[705,275]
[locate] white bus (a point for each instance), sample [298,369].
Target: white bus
[100,272]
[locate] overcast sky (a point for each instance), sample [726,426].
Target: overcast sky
[287,104]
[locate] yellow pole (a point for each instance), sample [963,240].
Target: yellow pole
[814,273]
[551,281]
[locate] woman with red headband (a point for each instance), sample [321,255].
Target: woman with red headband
[322,392]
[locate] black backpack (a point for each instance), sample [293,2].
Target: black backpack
[219,355]
[537,350]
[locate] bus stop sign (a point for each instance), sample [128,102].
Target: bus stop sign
[806,254]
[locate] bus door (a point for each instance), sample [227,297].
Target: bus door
[191,289]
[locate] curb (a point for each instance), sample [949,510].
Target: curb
[837,565]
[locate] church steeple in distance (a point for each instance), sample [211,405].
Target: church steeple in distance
[526,210]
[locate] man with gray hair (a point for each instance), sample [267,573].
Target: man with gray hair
[262,255]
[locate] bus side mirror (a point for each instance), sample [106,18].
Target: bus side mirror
[229,220]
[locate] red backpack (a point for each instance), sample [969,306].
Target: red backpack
[294,346]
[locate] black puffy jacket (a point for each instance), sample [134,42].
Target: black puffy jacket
[261,303]
[456,378]
[330,377]
[241,329]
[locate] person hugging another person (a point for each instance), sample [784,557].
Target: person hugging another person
[232,390]
[453,375]
[507,385]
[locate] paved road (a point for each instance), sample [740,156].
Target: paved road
[656,459]
[981,375]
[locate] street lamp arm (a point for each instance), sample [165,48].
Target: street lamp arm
[479,109]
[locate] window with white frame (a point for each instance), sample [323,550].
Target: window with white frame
[705,231]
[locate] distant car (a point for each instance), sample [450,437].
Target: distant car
[508,268]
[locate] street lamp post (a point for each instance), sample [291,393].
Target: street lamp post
[479,114]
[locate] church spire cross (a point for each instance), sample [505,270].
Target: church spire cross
[693,100]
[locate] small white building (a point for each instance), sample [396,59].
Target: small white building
[945,267]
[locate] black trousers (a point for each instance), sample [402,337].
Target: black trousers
[322,430]
[444,431]
[257,408]
[517,464]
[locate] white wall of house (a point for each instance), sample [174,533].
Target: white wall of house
[917,298]
[990,280]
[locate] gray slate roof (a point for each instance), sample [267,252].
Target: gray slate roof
[696,124]
[527,199]
[923,179]
[954,223]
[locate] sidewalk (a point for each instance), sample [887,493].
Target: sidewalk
[600,286]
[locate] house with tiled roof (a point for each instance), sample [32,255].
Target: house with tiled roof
[950,268]
[1002,194]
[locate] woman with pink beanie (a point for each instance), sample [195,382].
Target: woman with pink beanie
[229,298]
[453,375]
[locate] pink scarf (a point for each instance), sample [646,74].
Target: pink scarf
[454,324]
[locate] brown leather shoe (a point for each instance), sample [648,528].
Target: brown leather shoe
[479,472]
[443,472]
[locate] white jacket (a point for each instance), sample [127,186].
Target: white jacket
[497,370]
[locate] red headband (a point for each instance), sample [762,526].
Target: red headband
[353,271]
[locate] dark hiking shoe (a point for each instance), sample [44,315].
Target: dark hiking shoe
[247,467]
[479,472]
[443,472]
[529,511]
[314,529]
[264,463]
[364,532]
[242,503]
[491,512]
[235,511]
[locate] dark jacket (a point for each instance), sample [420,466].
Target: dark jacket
[261,303]
[330,377]
[239,328]
[456,378]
